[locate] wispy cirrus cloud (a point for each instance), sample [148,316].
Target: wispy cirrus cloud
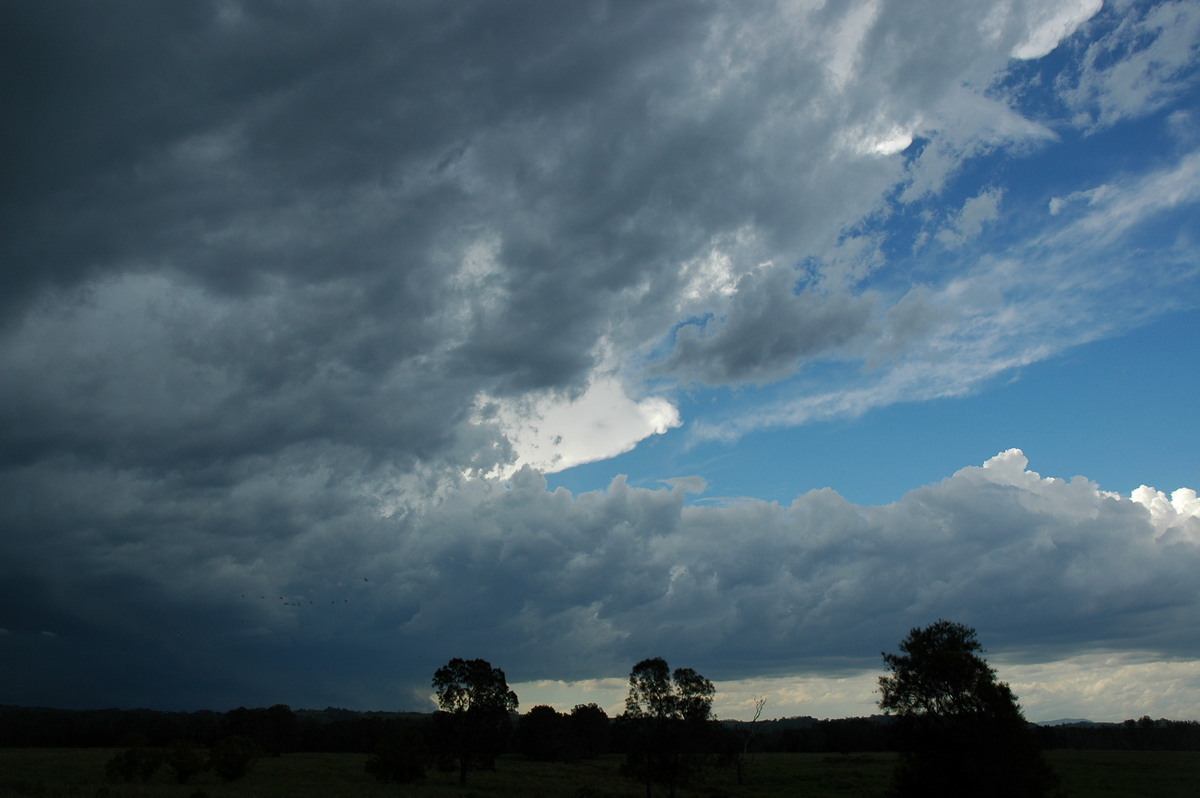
[1009,305]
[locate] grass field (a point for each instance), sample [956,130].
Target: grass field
[57,773]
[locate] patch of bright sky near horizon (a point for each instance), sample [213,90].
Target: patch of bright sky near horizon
[1114,687]
[1138,380]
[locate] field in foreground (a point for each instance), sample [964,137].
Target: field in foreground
[55,773]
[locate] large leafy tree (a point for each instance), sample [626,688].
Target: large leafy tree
[275,729]
[673,710]
[475,701]
[589,730]
[400,757]
[961,731]
[656,692]
[544,733]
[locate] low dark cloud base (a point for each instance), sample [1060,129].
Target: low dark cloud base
[356,608]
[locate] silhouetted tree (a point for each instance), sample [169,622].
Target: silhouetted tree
[275,729]
[280,730]
[962,731]
[545,734]
[589,730]
[742,756]
[232,756]
[184,760]
[399,758]
[478,701]
[138,761]
[673,711]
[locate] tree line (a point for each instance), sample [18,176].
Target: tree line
[959,730]
[276,729]
[338,730]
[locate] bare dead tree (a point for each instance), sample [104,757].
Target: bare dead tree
[744,755]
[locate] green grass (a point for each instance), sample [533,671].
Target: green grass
[79,773]
[1128,774]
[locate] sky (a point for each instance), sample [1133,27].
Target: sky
[338,340]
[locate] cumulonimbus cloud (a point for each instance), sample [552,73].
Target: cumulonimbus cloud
[282,282]
[557,586]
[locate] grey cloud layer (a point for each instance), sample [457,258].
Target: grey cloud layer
[261,261]
[344,607]
[233,230]
[344,163]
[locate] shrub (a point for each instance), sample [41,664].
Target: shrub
[399,758]
[183,759]
[232,756]
[133,764]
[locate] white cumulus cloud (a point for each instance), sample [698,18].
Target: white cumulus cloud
[554,433]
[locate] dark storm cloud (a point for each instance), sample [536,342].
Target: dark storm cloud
[311,601]
[242,141]
[234,228]
[237,229]
[261,262]
[770,329]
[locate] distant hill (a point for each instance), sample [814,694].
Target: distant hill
[803,722]
[332,714]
